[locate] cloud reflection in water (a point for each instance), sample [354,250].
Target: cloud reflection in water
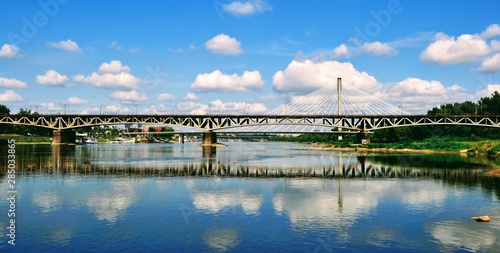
[47,202]
[111,204]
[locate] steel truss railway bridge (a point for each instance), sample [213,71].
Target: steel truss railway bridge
[326,110]
[211,124]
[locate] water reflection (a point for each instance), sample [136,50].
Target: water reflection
[112,203]
[419,198]
[221,239]
[215,202]
[179,161]
[468,236]
[327,204]
[240,199]
[217,195]
[46,201]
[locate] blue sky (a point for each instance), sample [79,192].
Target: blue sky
[247,56]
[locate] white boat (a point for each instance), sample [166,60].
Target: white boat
[90,141]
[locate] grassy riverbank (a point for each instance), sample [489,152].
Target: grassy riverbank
[490,148]
[21,139]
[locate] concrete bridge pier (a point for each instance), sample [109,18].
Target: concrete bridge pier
[209,138]
[363,137]
[209,152]
[181,138]
[209,144]
[63,137]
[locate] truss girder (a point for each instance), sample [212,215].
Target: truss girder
[216,122]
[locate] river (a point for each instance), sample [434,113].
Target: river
[246,197]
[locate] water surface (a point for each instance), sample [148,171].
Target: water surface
[247,197]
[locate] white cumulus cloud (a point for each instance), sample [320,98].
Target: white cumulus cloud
[378,48]
[491,64]
[77,101]
[223,44]
[495,45]
[488,90]
[238,8]
[50,107]
[111,75]
[189,106]
[113,67]
[166,96]
[301,77]
[9,51]
[237,107]
[466,48]
[67,45]
[191,96]
[340,51]
[12,83]
[492,31]
[219,82]
[116,108]
[129,96]
[218,106]
[51,77]
[418,96]
[10,96]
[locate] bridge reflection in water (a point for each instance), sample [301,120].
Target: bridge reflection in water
[68,160]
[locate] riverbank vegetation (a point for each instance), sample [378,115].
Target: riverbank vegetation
[477,146]
[454,138]
[20,139]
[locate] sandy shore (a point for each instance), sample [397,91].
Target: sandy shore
[494,173]
[321,147]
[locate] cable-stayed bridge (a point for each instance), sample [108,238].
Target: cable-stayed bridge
[328,110]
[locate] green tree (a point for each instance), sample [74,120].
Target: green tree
[168,129]
[490,105]
[30,130]
[485,105]
[4,128]
[4,110]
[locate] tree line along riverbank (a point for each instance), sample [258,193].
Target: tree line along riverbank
[443,144]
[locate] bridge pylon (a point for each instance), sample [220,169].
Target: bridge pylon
[339,103]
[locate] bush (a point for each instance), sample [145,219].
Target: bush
[494,151]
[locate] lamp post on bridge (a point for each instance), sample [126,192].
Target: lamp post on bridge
[36,111]
[63,105]
[101,107]
[210,108]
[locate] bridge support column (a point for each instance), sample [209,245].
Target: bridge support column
[209,152]
[363,137]
[63,137]
[209,138]
[181,138]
